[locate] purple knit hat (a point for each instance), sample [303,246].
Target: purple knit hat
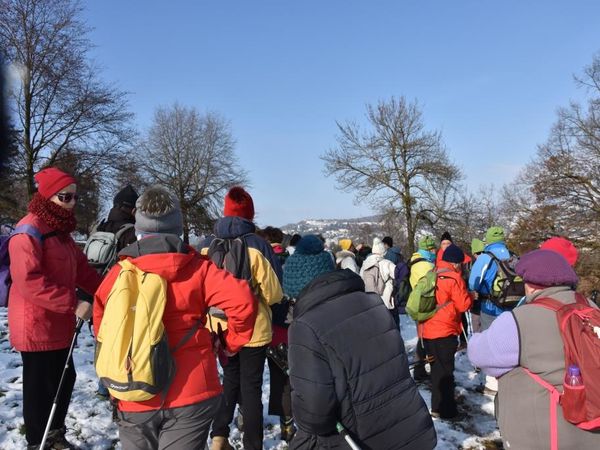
[546,268]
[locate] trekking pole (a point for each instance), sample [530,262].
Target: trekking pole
[78,326]
[351,443]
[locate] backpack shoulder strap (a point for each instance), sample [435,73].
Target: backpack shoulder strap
[122,229]
[412,263]
[554,401]
[33,232]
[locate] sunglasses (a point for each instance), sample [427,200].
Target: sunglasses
[66,197]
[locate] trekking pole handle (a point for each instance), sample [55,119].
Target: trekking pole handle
[351,443]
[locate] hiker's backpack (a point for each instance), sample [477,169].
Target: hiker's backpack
[422,303]
[101,248]
[402,287]
[373,280]
[133,358]
[579,327]
[5,281]
[231,254]
[507,288]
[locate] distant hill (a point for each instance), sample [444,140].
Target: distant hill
[361,229]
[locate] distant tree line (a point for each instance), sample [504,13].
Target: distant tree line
[403,170]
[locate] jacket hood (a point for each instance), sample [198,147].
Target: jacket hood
[446,265]
[326,287]
[498,249]
[371,260]
[344,254]
[233,226]
[163,254]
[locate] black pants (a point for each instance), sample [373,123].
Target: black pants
[280,397]
[419,372]
[41,376]
[442,375]
[243,377]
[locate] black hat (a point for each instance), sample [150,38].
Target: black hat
[388,241]
[453,254]
[446,237]
[126,197]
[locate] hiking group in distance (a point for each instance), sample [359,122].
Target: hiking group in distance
[165,315]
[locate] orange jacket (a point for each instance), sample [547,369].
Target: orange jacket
[193,285]
[450,287]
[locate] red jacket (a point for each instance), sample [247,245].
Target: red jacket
[193,285]
[41,304]
[450,287]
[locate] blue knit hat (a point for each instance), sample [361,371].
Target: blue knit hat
[308,261]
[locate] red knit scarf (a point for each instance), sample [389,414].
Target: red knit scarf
[55,216]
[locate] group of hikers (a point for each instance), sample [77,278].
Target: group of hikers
[166,314]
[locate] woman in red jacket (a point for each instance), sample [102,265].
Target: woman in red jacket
[441,331]
[46,267]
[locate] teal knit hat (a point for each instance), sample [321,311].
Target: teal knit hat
[308,261]
[494,234]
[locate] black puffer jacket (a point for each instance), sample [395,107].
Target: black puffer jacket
[348,365]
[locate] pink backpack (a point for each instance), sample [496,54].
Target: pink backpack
[579,326]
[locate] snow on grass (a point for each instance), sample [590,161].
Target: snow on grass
[90,426]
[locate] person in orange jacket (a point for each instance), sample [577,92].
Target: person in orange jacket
[194,284]
[441,331]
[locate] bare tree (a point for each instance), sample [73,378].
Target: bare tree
[193,155]
[564,176]
[60,104]
[395,164]
[558,193]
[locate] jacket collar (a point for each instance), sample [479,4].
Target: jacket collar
[231,227]
[326,287]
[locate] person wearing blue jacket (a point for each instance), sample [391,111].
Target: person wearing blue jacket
[481,280]
[483,274]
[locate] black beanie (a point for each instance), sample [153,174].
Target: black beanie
[453,254]
[446,237]
[388,241]
[126,197]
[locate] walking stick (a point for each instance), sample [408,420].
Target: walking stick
[62,379]
[351,443]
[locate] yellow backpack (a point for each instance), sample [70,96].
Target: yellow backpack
[133,359]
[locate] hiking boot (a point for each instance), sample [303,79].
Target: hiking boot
[220,443]
[57,441]
[287,428]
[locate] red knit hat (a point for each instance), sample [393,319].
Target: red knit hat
[51,180]
[563,247]
[239,203]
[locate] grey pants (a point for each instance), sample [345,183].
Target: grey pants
[184,428]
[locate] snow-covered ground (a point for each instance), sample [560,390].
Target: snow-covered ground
[89,419]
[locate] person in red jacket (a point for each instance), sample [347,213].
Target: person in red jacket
[42,305]
[194,284]
[440,332]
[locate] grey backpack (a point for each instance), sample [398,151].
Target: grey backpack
[101,248]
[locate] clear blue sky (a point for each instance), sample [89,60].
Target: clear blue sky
[488,74]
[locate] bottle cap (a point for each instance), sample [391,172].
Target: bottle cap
[574,371]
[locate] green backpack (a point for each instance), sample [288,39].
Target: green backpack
[422,304]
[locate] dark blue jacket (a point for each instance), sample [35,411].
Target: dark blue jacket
[348,365]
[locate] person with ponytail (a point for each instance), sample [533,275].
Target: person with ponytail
[46,266]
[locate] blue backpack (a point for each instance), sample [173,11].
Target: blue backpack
[5,280]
